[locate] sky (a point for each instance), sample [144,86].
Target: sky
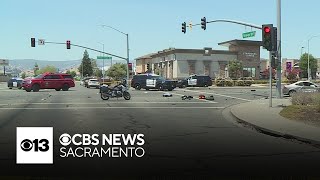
[152,26]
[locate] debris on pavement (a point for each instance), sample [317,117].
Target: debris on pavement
[167,94]
[210,98]
[186,97]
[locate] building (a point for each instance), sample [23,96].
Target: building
[180,63]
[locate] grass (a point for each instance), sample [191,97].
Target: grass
[302,113]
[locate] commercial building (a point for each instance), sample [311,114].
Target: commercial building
[175,63]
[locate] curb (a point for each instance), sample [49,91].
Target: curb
[276,133]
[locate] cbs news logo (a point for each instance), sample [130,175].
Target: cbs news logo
[34,145]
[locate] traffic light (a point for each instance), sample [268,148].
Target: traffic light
[33,42]
[130,66]
[275,39]
[267,36]
[204,23]
[274,60]
[184,27]
[148,66]
[68,44]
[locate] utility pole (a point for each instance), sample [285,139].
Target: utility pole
[279,67]
[127,60]
[270,79]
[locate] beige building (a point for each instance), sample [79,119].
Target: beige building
[180,63]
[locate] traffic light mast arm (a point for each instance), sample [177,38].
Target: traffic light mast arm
[89,49]
[232,21]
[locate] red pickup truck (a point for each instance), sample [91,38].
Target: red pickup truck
[49,81]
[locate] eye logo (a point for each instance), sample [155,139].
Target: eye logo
[65,139]
[34,145]
[26,145]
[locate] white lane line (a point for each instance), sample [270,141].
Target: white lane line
[161,102]
[148,107]
[217,94]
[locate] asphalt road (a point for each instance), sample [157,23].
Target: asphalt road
[183,137]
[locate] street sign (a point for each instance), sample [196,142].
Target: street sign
[4,62]
[41,41]
[104,57]
[249,34]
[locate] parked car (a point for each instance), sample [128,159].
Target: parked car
[15,82]
[300,86]
[49,81]
[106,81]
[152,81]
[195,81]
[93,83]
[85,81]
[81,82]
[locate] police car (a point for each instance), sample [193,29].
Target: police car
[15,83]
[152,81]
[195,81]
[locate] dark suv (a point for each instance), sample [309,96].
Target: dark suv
[49,81]
[195,81]
[152,81]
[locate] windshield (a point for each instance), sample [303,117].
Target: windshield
[39,76]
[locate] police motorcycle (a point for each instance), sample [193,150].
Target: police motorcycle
[120,90]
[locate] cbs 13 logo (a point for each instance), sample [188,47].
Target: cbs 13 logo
[41,145]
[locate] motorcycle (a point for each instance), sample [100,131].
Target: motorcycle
[117,91]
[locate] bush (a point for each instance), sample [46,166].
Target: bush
[306,99]
[240,83]
[224,82]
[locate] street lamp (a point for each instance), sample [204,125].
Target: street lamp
[301,52]
[102,59]
[309,78]
[127,48]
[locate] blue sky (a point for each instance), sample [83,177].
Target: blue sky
[152,25]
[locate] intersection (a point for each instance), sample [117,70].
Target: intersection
[182,136]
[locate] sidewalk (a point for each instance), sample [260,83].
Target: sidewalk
[259,115]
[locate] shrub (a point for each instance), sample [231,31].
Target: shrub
[306,99]
[224,82]
[240,83]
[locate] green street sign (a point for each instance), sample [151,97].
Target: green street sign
[104,57]
[249,34]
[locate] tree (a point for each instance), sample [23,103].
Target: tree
[98,73]
[73,73]
[46,69]
[68,72]
[87,66]
[266,73]
[117,71]
[35,69]
[303,64]
[235,69]
[293,74]
[23,75]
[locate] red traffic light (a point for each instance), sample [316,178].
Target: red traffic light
[68,44]
[130,66]
[267,29]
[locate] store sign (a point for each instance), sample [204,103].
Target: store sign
[289,66]
[250,54]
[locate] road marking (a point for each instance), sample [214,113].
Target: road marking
[148,107]
[217,95]
[168,102]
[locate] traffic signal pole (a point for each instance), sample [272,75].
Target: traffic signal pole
[279,75]
[270,79]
